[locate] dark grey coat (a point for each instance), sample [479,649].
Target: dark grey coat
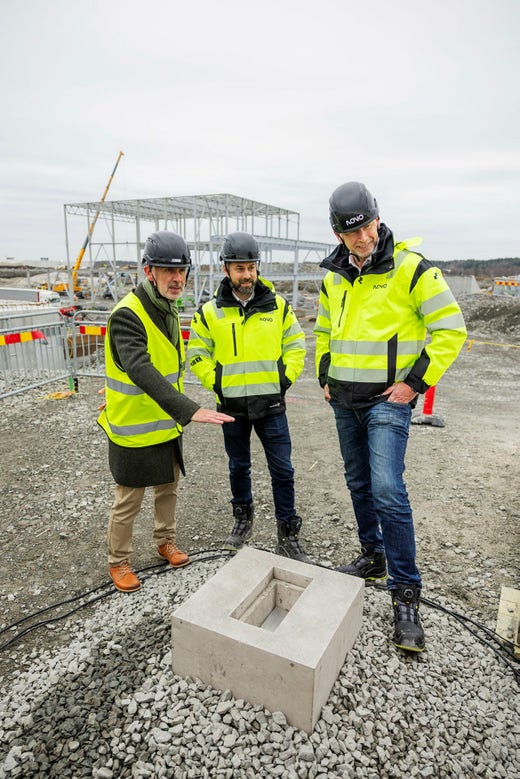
[147,465]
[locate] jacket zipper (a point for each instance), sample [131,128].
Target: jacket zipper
[234,339]
[342,307]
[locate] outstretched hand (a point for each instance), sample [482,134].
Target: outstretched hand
[205,415]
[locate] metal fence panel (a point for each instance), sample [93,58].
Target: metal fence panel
[31,352]
[37,350]
[85,342]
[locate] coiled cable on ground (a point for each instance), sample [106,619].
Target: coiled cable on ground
[155,570]
[501,647]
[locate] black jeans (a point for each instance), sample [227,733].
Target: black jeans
[273,432]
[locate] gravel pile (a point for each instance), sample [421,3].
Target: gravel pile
[492,315]
[107,704]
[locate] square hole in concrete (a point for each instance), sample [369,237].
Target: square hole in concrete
[230,635]
[272,599]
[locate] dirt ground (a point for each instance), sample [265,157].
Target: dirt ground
[55,487]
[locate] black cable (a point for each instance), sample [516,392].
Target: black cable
[95,589]
[163,567]
[156,568]
[64,603]
[503,643]
[42,623]
[463,619]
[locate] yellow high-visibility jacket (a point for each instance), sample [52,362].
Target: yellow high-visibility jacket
[249,356]
[372,327]
[131,417]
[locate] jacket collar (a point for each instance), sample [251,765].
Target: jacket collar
[382,259]
[263,294]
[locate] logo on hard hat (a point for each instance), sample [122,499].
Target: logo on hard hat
[353,220]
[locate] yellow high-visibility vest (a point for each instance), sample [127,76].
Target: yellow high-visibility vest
[131,417]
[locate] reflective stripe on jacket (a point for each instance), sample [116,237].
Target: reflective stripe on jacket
[248,356]
[131,418]
[371,327]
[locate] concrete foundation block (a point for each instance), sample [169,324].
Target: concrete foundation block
[271,630]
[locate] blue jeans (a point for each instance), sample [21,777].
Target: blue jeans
[273,432]
[373,446]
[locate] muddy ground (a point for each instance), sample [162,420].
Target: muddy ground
[55,487]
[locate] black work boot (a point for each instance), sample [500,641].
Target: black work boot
[242,532]
[288,541]
[408,632]
[369,565]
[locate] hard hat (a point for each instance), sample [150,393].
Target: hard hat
[165,249]
[351,207]
[239,247]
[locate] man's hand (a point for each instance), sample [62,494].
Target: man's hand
[399,393]
[326,393]
[205,415]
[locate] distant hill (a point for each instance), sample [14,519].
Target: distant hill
[489,269]
[483,270]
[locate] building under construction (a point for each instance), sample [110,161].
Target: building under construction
[203,220]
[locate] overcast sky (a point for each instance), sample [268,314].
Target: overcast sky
[276,100]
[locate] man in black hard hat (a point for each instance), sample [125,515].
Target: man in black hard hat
[378,302]
[247,346]
[146,408]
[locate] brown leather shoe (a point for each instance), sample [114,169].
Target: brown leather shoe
[124,578]
[175,557]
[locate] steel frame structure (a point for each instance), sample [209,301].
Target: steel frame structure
[203,220]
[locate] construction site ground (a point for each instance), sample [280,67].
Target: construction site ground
[56,489]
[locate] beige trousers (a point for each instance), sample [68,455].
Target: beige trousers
[125,508]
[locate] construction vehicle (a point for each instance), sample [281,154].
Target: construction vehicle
[29,295]
[62,287]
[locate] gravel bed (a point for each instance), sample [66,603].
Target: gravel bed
[96,696]
[107,704]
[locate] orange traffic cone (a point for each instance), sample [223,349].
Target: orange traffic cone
[427,417]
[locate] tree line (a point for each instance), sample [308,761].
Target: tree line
[501,266]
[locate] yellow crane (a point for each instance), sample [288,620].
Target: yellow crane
[63,287]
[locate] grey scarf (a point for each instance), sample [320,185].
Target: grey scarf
[168,307]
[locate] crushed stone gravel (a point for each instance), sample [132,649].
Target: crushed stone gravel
[108,704]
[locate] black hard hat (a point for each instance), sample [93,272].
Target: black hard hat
[239,247]
[165,249]
[352,206]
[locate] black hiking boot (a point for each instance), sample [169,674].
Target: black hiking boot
[369,565]
[288,540]
[408,632]
[242,532]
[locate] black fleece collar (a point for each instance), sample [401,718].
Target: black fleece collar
[225,298]
[382,259]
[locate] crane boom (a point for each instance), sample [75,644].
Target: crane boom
[79,258]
